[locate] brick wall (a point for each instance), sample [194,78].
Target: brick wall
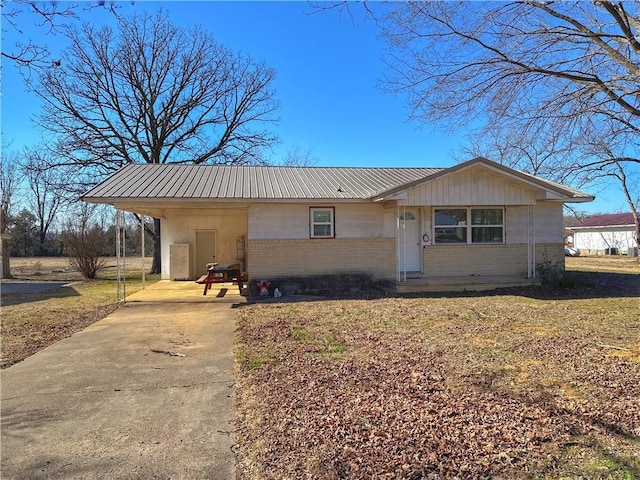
[507,259]
[283,258]
[553,252]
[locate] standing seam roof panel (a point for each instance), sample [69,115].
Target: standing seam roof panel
[304,183]
[153,184]
[109,183]
[150,177]
[190,182]
[173,180]
[131,181]
[204,182]
[314,190]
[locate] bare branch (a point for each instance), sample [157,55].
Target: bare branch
[552,87]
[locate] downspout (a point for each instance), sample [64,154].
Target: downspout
[404,242]
[529,256]
[533,250]
[397,242]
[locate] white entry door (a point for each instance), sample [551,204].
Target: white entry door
[409,257]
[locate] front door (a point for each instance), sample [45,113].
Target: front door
[205,250]
[409,257]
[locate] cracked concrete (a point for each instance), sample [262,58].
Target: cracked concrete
[101,404]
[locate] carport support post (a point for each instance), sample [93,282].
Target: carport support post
[142,248]
[118,254]
[120,242]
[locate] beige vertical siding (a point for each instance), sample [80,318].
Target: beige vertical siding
[474,186]
[280,258]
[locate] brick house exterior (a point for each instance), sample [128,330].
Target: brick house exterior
[475,219]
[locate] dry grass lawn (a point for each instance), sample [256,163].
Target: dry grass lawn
[31,322]
[530,383]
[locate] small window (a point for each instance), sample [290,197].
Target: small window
[407,216]
[321,222]
[469,225]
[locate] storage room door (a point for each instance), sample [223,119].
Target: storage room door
[205,250]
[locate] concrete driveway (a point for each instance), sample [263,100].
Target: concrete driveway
[147,392]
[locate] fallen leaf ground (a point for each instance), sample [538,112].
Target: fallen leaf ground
[532,383]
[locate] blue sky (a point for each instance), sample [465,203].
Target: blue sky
[327,73]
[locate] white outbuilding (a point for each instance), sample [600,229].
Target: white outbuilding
[610,234]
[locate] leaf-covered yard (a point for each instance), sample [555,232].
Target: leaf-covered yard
[522,384]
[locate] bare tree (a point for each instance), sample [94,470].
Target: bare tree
[48,18]
[152,92]
[297,157]
[48,189]
[8,187]
[552,85]
[85,242]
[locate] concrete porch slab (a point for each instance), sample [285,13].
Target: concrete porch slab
[187,292]
[460,283]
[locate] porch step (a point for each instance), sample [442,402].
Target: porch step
[459,284]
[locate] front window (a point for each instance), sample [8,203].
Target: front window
[469,225]
[321,222]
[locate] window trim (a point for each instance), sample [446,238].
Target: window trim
[468,225]
[331,223]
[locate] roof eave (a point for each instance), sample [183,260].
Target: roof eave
[151,200]
[562,194]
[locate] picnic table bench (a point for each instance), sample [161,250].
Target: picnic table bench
[222,273]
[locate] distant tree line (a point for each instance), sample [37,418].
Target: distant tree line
[26,240]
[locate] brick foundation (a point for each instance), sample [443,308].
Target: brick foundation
[374,257]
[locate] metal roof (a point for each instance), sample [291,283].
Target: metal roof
[226,182]
[607,220]
[172,181]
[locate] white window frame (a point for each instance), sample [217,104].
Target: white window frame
[331,223]
[468,226]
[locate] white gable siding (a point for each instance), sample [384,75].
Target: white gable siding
[598,239]
[282,221]
[474,186]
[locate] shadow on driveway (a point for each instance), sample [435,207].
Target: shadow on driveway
[15,293]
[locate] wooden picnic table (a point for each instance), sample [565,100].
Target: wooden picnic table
[226,273]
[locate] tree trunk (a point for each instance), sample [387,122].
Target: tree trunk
[41,248]
[156,267]
[6,256]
